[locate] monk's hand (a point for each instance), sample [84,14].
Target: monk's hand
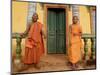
[21,34]
[80,33]
[29,39]
[74,34]
[77,34]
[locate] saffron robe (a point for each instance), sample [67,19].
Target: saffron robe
[34,47]
[75,43]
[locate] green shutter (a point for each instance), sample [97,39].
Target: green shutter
[56,31]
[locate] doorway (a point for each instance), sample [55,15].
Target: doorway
[56,28]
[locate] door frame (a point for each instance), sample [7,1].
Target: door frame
[46,6]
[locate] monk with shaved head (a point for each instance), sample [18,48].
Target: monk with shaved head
[75,43]
[34,46]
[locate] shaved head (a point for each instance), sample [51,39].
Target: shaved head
[75,19]
[35,17]
[35,14]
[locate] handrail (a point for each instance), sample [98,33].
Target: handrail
[85,38]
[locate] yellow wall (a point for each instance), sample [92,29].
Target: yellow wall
[19,20]
[84,19]
[19,16]
[40,12]
[69,16]
[85,23]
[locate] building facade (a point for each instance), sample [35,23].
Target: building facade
[56,19]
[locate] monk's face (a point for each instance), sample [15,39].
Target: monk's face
[75,20]
[35,18]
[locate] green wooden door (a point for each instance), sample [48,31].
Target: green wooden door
[56,30]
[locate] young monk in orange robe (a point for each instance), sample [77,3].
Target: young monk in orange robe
[34,47]
[75,43]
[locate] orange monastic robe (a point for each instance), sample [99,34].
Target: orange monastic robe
[34,46]
[75,43]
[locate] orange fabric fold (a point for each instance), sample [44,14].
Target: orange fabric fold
[75,44]
[34,46]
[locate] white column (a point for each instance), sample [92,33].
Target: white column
[75,11]
[31,10]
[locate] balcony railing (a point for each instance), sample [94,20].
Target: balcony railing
[85,37]
[92,38]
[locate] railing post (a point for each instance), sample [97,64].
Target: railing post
[85,48]
[92,48]
[92,59]
[18,48]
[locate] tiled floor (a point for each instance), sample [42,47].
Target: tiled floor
[53,62]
